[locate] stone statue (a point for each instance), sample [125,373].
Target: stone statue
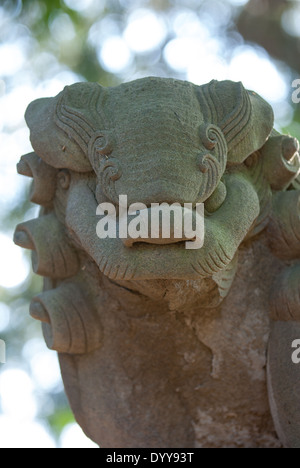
[159,345]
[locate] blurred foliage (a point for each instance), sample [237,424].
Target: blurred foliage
[60,418]
[264,22]
[275,25]
[56,31]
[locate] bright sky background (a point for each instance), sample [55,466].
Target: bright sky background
[194,52]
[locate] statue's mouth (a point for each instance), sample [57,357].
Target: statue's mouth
[143,251]
[159,224]
[153,257]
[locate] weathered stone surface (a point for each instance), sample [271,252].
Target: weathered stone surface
[283,382]
[161,346]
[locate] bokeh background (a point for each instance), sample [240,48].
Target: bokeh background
[45,45]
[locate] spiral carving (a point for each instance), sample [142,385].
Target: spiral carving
[212,164]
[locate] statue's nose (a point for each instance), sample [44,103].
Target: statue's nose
[161,191]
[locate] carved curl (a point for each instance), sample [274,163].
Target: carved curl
[213,163]
[236,111]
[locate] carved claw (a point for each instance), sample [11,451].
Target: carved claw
[52,254]
[69,319]
[44,178]
[38,312]
[23,167]
[22,239]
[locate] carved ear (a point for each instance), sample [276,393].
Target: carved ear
[61,127]
[245,119]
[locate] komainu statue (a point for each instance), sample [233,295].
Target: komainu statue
[160,345]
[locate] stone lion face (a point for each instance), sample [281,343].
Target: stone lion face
[160,141]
